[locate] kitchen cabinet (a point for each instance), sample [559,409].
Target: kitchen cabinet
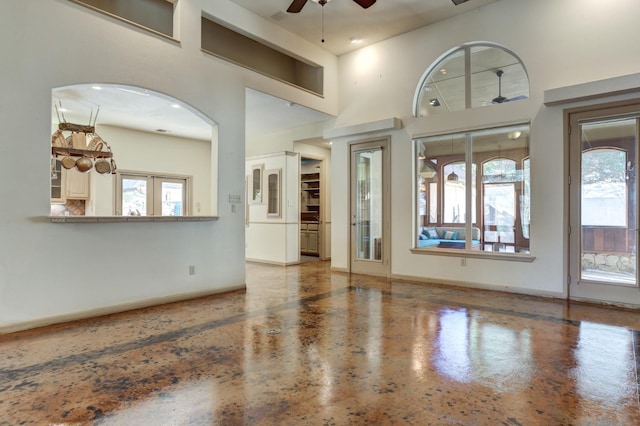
[310,195]
[69,184]
[309,239]
[57,192]
[76,185]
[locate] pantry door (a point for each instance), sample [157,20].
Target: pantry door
[369,213]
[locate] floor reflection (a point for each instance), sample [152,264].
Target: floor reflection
[304,346]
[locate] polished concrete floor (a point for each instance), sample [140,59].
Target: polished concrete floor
[304,346]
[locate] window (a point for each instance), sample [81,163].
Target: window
[141,194]
[471,76]
[483,171]
[604,187]
[454,193]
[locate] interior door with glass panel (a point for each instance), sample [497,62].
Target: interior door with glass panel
[369,210]
[603,206]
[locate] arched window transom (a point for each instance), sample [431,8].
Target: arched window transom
[471,76]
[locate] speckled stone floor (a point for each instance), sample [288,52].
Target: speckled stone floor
[304,346]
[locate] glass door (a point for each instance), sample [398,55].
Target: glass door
[499,217]
[603,207]
[148,195]
[136,195]
[172,196]
[369,208]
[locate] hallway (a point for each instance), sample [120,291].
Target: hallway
[305,346]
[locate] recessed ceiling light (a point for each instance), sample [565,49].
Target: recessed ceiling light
[355,40]
[443,71]
[175,105]
[514,135]
[96,87]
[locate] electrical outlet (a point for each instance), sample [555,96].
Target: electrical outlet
[463,262]
[192,269]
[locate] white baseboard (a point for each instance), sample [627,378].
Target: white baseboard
[270,262]
[106,310]
[480,286]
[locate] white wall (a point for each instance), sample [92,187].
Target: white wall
[561,43]
[158,154]
[268,238]
[50,272]
[295,139]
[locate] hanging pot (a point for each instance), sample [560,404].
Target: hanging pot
[103,166]
[83,164]
[68,162]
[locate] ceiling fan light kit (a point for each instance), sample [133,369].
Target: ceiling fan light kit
[297,5]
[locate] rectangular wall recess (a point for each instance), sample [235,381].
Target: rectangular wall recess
[153,15]
[258,56]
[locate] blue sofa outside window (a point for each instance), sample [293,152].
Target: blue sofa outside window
[446,237]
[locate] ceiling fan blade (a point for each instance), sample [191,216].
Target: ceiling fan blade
[296,6]
[365,3]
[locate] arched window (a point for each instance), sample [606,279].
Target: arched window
[471,76]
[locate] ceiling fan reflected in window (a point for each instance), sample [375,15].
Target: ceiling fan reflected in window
[297,5]
[501,99]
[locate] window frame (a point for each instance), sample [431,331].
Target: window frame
[468,76]
[154,187]
[470,159]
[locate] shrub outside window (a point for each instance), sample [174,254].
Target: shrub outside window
[479,202]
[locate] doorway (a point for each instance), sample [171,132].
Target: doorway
[603,219]
[370,208]
[312,206]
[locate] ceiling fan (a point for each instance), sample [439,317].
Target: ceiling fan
[501,99]
[297,5]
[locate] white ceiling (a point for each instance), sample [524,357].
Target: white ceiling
[149,111]
[344,19]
